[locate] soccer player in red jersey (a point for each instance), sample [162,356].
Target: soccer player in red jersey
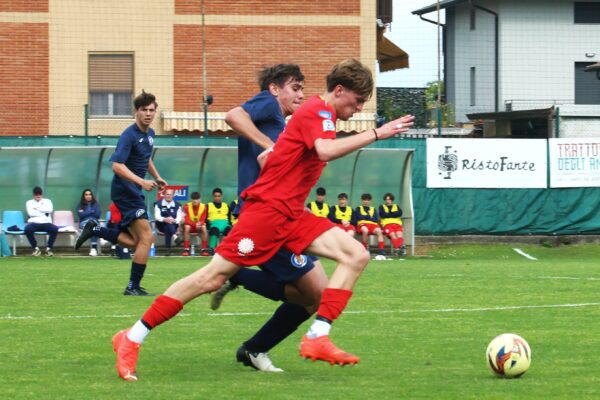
[293,166]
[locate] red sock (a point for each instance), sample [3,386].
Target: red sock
[163,309]
[204,244]
[186,244]
[400,242]
[380,245]
[333,302]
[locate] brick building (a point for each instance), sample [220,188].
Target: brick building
[57,56]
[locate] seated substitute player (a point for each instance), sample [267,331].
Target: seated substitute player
[130,163]
[195,223]
[292,168]
[367,223]
[259,123]
[168,215]
[318,206]
[88,208]
[389,218]
[341,214]
[217,218]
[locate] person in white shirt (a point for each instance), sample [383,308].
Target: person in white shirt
[39,211]
[168,214]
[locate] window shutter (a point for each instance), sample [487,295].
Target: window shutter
[111,73]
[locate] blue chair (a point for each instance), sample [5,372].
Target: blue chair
[13,218]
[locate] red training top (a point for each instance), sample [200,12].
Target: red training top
[293,168]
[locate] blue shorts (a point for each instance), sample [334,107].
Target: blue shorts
[286,268]
[132,208]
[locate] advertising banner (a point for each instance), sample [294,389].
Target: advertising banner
[486,163]
[574,162]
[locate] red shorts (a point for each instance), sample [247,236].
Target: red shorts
[347,228]
[371,228]
[391,228]
[262,230]
[193,228]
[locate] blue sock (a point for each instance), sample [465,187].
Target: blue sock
[110,234]
[259,282]
[286,319]
[137,273]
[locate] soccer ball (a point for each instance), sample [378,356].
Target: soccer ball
[508,355]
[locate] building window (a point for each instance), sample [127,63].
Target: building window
[587,86]
[473,18]
[473,81]
[111,85]
[587,13]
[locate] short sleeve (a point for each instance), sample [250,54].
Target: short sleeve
[318,123]
[262,107]
[123,148]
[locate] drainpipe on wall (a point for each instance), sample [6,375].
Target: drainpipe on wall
[496,49]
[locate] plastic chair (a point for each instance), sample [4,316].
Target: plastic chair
[65,221]
[13,218]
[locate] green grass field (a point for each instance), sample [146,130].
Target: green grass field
[420,326]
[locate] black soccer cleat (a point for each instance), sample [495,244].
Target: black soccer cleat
[86,233]
[136,292]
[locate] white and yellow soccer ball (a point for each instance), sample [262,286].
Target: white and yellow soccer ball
[508,355]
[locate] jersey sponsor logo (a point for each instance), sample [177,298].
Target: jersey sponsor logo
[325,114]
[299,261]
[245,246]
[328,125]
[140,212]
[141,140]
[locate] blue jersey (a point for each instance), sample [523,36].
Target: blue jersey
[134,149]
[265,112]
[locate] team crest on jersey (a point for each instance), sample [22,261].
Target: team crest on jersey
[151,140]
[140,212]
[299,261]
[328,125]
[325,114]
[245,246]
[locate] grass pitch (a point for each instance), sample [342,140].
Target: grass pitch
[420,326]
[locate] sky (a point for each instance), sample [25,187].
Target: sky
[419,39]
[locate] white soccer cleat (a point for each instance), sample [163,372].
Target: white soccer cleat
[93,252]
[258,361]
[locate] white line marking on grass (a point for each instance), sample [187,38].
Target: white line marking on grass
[521,252]
[11,317]
[570,278]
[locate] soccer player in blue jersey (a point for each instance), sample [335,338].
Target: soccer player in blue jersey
[259,121]
[131,161]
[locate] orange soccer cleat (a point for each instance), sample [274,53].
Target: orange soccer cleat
[127,355]
[323,349]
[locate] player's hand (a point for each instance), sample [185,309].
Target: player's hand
[400,125]
[345,223]
[161,183]
[148,185]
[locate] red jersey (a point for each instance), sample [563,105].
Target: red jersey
[293,168]
[194,214]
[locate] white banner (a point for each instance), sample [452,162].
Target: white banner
[486,163]
[575,162]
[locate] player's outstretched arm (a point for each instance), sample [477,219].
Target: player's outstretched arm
[331,149]
[242,124]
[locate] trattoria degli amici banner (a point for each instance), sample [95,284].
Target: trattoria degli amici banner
[574,162]
[486,163]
